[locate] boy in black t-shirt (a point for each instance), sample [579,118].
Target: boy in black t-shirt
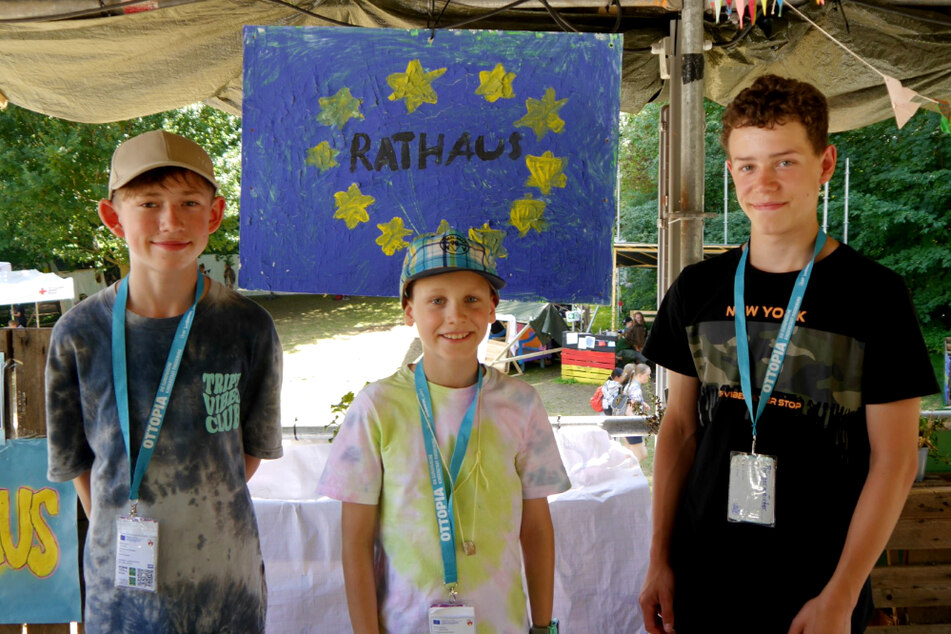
[803,407]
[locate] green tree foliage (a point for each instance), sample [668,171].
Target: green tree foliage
[638,160]
[899,204]
[900,209]
[738,225]
[53,173]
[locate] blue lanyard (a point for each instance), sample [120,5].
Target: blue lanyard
[162,395]
[445,520]
[778,354]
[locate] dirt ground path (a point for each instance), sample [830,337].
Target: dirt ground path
[332,347]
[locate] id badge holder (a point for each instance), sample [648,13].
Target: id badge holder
[136,553]
[752,489]
[452,618]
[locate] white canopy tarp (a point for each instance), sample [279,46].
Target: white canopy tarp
[31,287]
[122,66]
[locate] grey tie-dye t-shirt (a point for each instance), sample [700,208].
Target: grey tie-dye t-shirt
[225,404]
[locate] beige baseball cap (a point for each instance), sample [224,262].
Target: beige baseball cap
[154,149]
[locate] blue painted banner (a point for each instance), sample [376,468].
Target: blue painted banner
[357,140]
[39,552]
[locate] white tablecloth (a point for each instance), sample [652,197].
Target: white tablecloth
[602,536]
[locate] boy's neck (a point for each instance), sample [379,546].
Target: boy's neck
[784,254]
[162,296]
[450,374]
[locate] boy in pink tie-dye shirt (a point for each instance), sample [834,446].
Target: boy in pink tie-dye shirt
[492,496]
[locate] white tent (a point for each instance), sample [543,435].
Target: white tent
[30,287]
[33,287]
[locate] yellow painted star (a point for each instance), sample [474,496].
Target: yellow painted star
[491,238]
[339,109]
[352,206]
[526,214]
[414,86]
[495,84]
[322,156]
[392,234]
[542,114]
[547,171]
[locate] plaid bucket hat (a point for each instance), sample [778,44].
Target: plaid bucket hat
[435,253]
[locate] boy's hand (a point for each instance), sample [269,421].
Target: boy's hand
[823,614]
[657,599]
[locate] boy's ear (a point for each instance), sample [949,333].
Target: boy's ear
[110,217]
[217,214]
[828,160]
[408,313]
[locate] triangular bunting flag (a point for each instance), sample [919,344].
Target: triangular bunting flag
[901,98]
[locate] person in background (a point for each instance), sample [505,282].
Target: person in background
[229,275]
[633,336]
[19,316]
[611,392]
[634,378]
[636,336]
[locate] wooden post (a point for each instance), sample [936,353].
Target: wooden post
[6,347]
[30,348]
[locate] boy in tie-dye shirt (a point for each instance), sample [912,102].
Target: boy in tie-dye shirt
[379,466]
[163,395]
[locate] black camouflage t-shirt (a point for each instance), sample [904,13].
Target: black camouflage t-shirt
[225,404]
[839,360]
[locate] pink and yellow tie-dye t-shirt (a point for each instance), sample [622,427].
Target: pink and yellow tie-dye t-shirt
[379,458]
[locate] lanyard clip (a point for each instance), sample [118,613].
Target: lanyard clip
[133,508]
[453,595]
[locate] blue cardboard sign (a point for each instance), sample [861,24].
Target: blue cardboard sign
[357,140]
[39,550]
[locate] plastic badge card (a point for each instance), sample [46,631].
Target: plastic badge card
[452,619]
[752,489]
[136,553]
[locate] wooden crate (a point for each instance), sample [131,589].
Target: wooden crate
[588,358]
[581,374]
[914,584]
[586,366]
